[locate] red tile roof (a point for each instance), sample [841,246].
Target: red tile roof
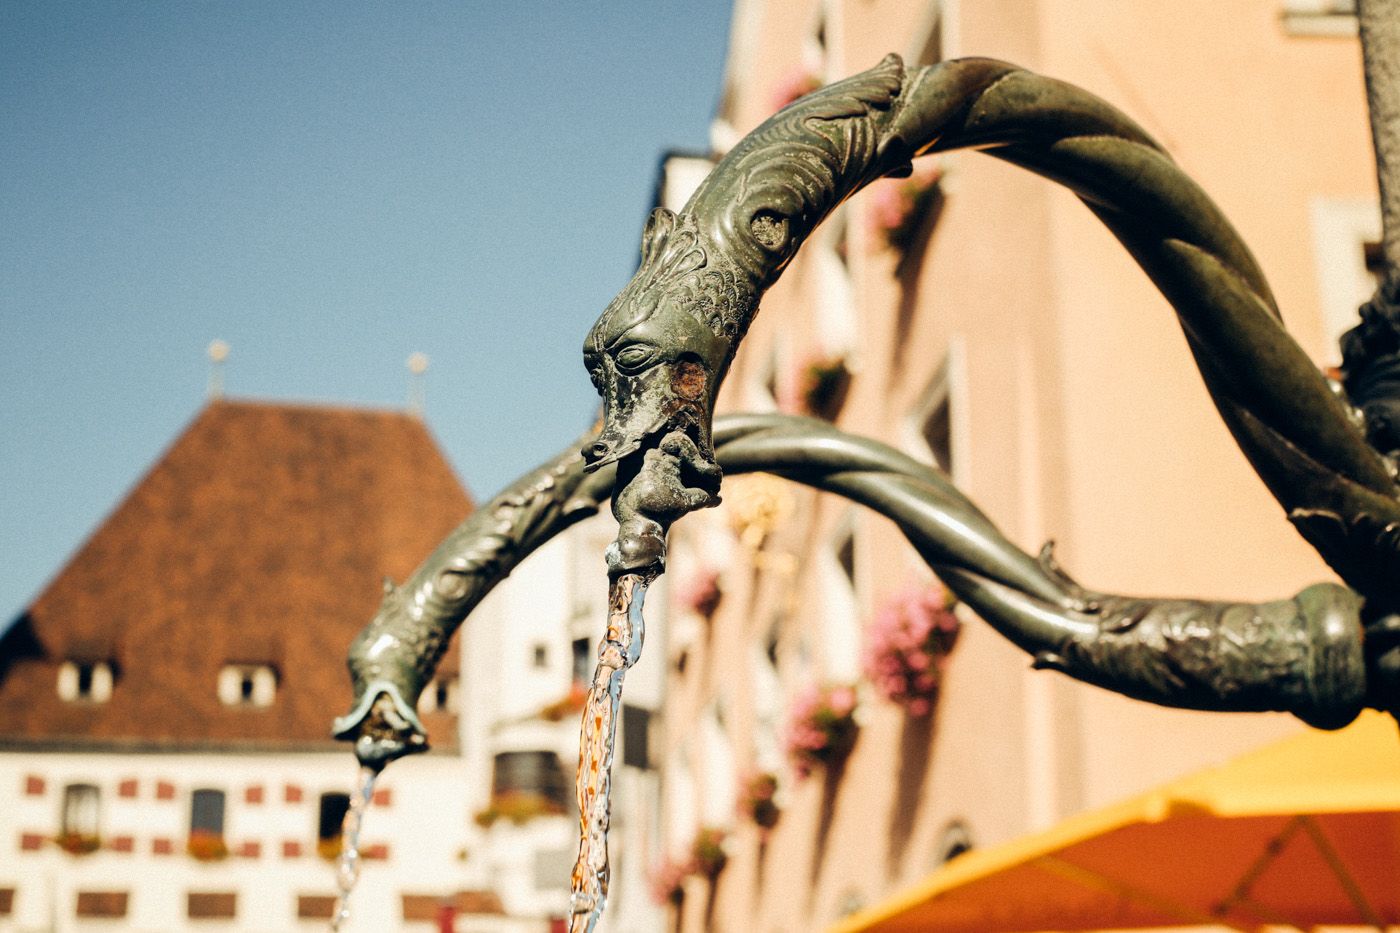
[262,536]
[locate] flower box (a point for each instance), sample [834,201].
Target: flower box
[519,807]
[571,704]
[206,846]
[78,843]
[707,855]
[756,802]
[821,727]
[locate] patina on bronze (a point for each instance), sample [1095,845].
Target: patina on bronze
[705,269]
[1305,655]
[661,349]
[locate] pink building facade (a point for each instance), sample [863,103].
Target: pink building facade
[996,328]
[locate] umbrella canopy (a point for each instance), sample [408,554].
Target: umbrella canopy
[1302,833]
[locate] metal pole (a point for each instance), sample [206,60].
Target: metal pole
[1380,52]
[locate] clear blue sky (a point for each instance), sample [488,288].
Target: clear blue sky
[328,187]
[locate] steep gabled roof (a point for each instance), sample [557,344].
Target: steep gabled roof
[262,536]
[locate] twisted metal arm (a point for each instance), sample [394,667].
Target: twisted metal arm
[1303,655]
[660,350]
[396,654]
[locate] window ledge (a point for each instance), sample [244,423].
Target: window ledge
[1324,25]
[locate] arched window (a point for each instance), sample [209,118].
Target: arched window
[80,818]
[206,840]
[207,812]
[537,774]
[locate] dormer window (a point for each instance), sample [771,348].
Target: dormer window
[247,685]
[85,681]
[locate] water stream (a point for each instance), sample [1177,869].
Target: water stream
[347,870]
[621,647]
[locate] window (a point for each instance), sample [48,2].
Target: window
[636,736]
[846,557]
[533,773]
[936,428]
[1343,231]
[679,790]
[80,818]
[247,685]
[767,702]
[841,631]
[107,905]
[936,431]
[440,695]
[85,681]
[718,787]
[834,298]
[330,818]
[211,905]
[315,906]
[206,841]
[581,650]
[541,655]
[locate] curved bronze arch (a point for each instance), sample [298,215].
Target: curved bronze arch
[1303,655]
[661,349]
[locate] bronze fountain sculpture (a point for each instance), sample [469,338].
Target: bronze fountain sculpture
[659,352]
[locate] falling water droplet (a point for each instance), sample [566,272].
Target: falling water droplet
[620,649]
[347,870]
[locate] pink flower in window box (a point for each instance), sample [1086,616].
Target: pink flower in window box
[821,727]
[899,205]
[908,644]
[701,592]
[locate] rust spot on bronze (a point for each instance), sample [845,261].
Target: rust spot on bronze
[688,380]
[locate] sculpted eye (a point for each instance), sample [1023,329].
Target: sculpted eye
[634,358]
[594,367]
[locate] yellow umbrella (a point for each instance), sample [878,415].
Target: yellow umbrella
[1302,833]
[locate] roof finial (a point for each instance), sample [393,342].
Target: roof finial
[218,352]
[417,366]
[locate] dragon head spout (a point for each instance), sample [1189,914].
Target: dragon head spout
[659,352]
[658,355]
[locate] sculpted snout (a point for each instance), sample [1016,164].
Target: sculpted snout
[609,447]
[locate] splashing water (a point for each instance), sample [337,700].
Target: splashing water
[347,870]
[620,649]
